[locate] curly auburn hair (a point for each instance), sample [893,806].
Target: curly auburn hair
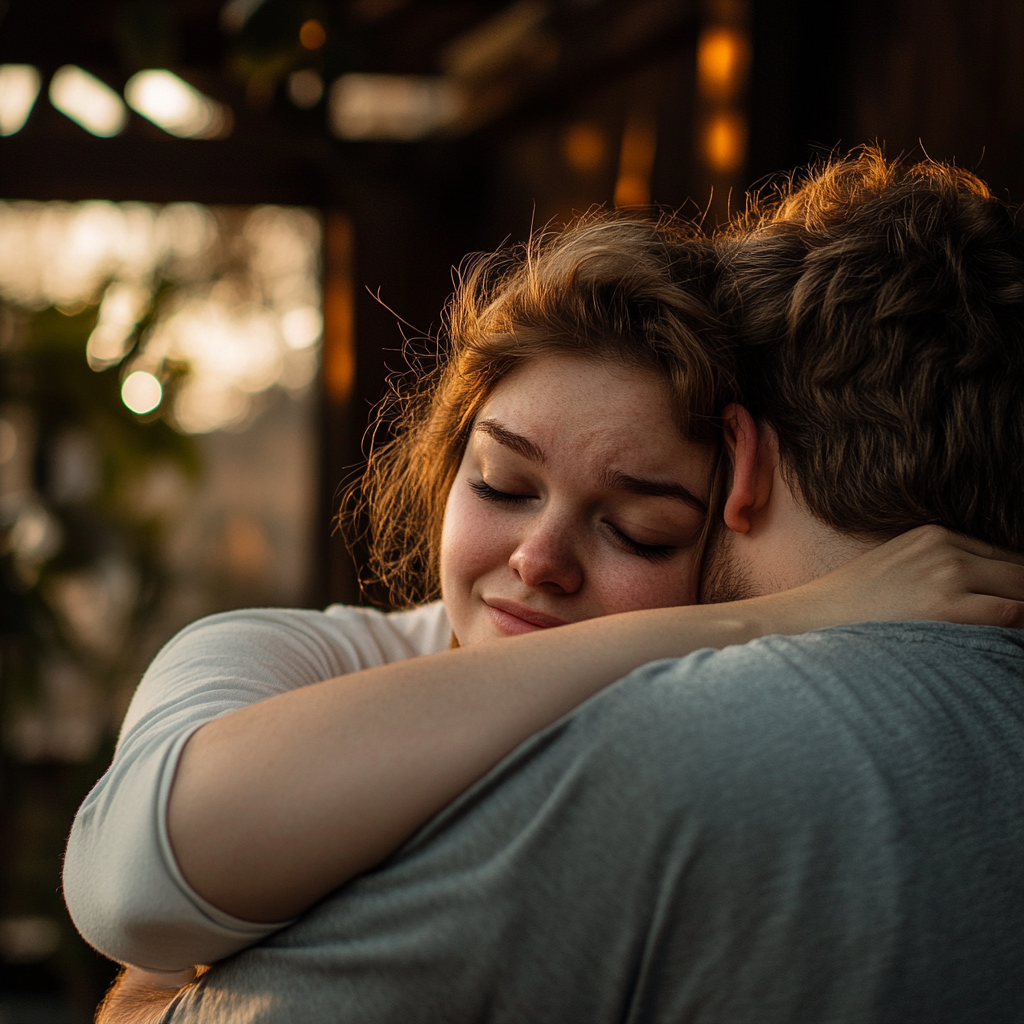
[604,286]
[879,310]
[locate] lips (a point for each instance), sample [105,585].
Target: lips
[513,618]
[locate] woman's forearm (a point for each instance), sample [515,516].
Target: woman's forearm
[276,804]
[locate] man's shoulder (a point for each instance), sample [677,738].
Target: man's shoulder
[860,657]
[804,718]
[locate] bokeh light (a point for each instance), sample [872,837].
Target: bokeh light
[302,327]
[724,142]
[87,101]
[584,147]
[305,88]
[401,107]
[242,314]
[141,392]
[123,305]
[174,105]
[636,160]
[723,58]
[19,87]
[312,34]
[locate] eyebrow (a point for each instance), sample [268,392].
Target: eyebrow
[612,481]
[655,488]
[510,439]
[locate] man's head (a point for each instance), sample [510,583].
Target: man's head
[879,309]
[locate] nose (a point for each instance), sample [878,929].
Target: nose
[546,557]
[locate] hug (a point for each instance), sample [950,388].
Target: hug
[706,698]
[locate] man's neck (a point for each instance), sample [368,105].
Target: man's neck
[786,546]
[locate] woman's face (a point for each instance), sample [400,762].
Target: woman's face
[577,496]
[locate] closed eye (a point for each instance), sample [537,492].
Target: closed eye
[496,497]
[652,552]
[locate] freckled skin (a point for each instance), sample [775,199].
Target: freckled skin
[562,542]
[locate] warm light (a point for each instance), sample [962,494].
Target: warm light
[403,107]
[64,254]
[302,327]
[225,337]
[174,105]
[723,55]
[636,162]
[305,88]
[141,392]
[200,408]
[19,87]
[122,306]
[36,535]
[228,347]
[87,101]
[584,147]
[725,141]
[312,34]
[339,344]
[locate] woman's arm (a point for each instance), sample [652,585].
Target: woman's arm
[121,881]
[276,804]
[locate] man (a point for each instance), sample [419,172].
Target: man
[824,827]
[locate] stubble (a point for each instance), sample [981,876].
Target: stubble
[722,578]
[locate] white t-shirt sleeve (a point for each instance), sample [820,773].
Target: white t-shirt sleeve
[122,885]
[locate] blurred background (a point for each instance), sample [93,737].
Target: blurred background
[219,220]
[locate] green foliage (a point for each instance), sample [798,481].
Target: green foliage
[80,468]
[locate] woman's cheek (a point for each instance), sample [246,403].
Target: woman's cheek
[648,585]
[468,541]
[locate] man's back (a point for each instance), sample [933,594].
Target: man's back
[819,828]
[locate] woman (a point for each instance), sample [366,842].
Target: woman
[558,468]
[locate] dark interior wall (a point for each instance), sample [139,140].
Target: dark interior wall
[942,77]
[945,75]
[529,179]
[799,93]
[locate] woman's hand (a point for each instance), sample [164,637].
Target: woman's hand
[926,573]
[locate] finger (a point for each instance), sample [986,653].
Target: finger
[1006,555]
[972,545]
[981,610]
[992,578]
[985,550]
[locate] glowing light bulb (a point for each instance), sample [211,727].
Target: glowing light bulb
[87,101]
[141,392]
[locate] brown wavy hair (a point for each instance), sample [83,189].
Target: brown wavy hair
[605,286]
[879,306]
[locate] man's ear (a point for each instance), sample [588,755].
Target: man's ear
[752,468]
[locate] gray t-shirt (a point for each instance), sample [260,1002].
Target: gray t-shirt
[813,829]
